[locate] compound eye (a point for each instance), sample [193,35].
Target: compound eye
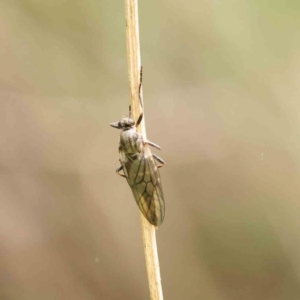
[127,122]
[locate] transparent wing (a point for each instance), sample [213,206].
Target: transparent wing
[143,177]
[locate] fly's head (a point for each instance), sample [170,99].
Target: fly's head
[123,124]
[127,123]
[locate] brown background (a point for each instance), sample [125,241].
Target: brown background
[221,92]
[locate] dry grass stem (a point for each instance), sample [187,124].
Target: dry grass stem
[134,67]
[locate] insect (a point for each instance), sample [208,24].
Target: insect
[140,169]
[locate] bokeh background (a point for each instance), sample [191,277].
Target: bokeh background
[221,91]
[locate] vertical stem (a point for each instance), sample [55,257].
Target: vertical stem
[152,262]
[134,67]
[134,59]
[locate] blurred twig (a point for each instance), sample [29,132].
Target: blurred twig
[134,67]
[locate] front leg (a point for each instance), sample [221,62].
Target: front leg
[159,160]
[140,86]
[118,171]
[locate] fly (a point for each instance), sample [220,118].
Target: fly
[140,169]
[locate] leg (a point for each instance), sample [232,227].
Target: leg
[141,101]
[140,85]
[139,120]
[159,160]
[118,170]
[153,145]
[129,115]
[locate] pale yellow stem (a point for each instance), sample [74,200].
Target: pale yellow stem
[134,67]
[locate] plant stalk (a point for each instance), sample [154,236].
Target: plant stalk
[134,69]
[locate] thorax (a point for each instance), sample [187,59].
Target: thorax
[131,141]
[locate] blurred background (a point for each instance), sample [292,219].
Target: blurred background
[221,92]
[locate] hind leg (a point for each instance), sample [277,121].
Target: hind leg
[118,171]
[159,160]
